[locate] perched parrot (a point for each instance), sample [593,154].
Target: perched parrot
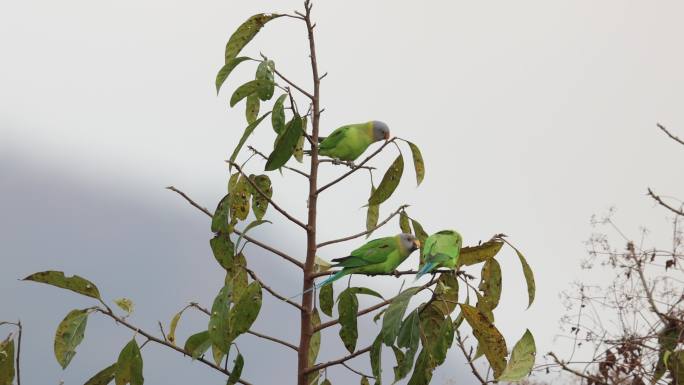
[350,141]
[379,256]
[440,250]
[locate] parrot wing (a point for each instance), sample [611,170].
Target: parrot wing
[336,137]
[375,251]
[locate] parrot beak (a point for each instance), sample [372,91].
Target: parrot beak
[387,136]
[416,244]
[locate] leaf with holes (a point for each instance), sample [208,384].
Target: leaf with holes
[326,299]
[259,201]
[69,335]
[220,222]
[522,359]
[227,68]
[265,72]
[74,283]
[488,337]
[239,199]
[285,145]
[490,283]
[245,33]
[248,131]
[129,365]
[389,182]
[218,319]
[347,307]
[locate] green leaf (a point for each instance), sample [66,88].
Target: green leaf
[125,304]
[364,381]
[74,283]
[437,333]
[376,359]
[364,290]
[299,149]
[218,319]
[326,299]
[7,362]
[129,365]
[490,283]
[171,335]
[421,234]
[326,382]
[248,131]
[389,182]
[250,226]
[445,296]
[69,335]
[278,116]
[259,202]
[400,358]
[675,363]
[522,359]
[475,254]
[409,333]
[245,33]
[488,337]
[252,108]
[422,373]
[372,216]
[314,345]
[529,276]
[217,354]
[265,72]
[285,145]
[197,344]
[104,376]
[227,68]
[223,250]
[247,89]
[347,307]
[391,322]
[220,222]
[236,277]
[418,163]
[404,223]
[239,199]
[245,311]
[235,374]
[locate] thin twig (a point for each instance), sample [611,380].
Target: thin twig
[676,139]
[568,369]
[469,357]
[337,162]
[248,238]
[298,88]
[337,361]
[300,172]
[356,371]
[263,194]
[358,167]
[152,338]
[273,292]
[18,352]
[662,203]
[361,234]
[399,273]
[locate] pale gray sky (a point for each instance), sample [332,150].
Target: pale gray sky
[531,115]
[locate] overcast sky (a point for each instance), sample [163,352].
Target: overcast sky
[531,115]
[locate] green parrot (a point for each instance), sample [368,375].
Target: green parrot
[350,141]
[440,250]
[379,256]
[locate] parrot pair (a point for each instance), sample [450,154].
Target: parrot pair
[348,142]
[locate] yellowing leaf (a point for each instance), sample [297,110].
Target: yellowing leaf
[472,255]
[315,342]
[245,311]
[389,182]
[490,284]
[326,300]
[529,277]
[321,265]
[260,202]
[372,216]
[129,365]
[522,359]
[74,283]
[197,344]
[489,338]
[69,335]
[104,376]
[418,163]
[125,304]
[7,362]
[252,108]
[218,319]
[245,33]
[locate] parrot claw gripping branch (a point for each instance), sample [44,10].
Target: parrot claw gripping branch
[419,336]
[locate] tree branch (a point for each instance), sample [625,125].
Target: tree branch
[568,369]
[358,167]
[273,292]
[298,88]
[250,239]
[300,172]
[337,361]
[662,203]
[270,201]
[399,273]
[469,357]
[337,162]
[361,234]
[676,139]
[152,338]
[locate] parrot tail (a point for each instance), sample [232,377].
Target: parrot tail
[427,267]
[327,281]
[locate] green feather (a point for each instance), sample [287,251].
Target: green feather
[348,142]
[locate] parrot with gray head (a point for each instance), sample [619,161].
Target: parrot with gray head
[349,142]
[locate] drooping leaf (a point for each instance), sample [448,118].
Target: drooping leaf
[227,68]
[246,32]
[129,365]
[223,250]
[299,150]
[245,311]
[232,182]
[248,131]
[529,276]
[7,370]
[472,255]
[278,116]
[389,182]
[488,337]
[220,222]
[285,145]
[260,202]
[74,283]
[239,199]
[365,290]
[391,322]
[376,359]
[400,359]
[422,235]
[314,345]
[265,72]
[218,319]
[409,332]
[235,374]
[125,304]
[104,376]
[422,373]
[236,277]
[197,344]
[418,163]
[252,108]
[490,283]
[522,359]
[347,307]
[217,354]
[372,216]
[445,296]
[364,381]
[404,223]
[69,335]
[171,335]
[326,299]
[437,334]
[250,226]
